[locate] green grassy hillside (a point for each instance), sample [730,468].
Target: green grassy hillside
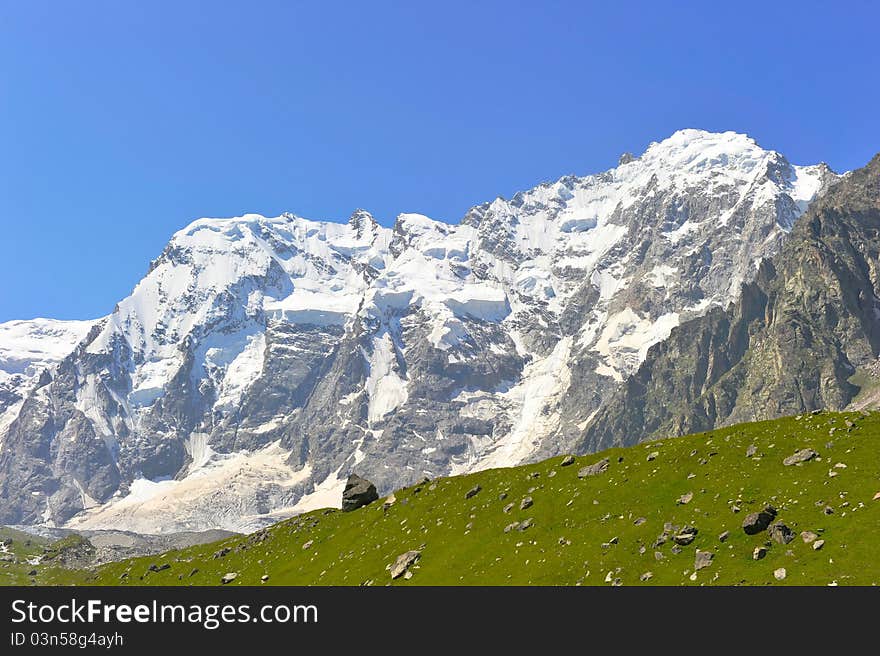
[598,530]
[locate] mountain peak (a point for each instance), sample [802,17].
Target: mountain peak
[362,221]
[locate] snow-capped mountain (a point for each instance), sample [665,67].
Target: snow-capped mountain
[263,359]
[27,349]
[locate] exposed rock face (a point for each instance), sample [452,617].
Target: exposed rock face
[800,330]
[358,492]
[260,357]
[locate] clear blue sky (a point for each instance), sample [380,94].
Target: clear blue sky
[122,121]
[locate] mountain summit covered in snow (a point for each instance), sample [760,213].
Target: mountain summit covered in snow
[261,360]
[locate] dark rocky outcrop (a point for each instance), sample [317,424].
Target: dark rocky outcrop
[358,492]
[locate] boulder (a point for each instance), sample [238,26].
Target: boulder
[808,537]
[566,461]
[527,502]
[780,574]
[799,456]
[685,536]
[474,491]
[594,469]
[358,492]
[756,522]
[703,559]
[759,553]
[229,577]
[780,533]
[403,562]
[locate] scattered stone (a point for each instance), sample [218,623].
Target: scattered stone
[502,496]
[759,553]
[194,571]
[752,450]
[818,544]
[508,507]
[614,540]
[221,553]
[639,521]
[526,523]
[552,473]
[33,572]
[685,499]
[264,578]
[308,545]
[658,555]
[798,457]
[474,491]
[358,492]
[123,576]
[403,562]
[808,537]
[594,469]
[687,535]
[779,574]
[159,568]
[511,527]
[703,559]
[566,461]
[229,577]
[876,497]
[390,501]
[527,502]
[828,510]
[735,508]
[723,537]
[653,455]
[676,550]
[780,533]
[535,475]
[646,576]
[756,522]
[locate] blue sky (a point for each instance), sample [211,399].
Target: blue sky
[120,122]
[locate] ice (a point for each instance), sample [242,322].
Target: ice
[384,386]
[28,347]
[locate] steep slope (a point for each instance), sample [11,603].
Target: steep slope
[27,350]
[542,524]
[800,332]
[262,359]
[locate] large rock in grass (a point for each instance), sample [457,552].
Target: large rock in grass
[780,533]
[403,562]
[798,457]
[756,522]
[358,492]
[594,469]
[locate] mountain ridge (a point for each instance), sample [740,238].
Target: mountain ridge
[261,359]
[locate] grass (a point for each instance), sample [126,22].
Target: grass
[572,541]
